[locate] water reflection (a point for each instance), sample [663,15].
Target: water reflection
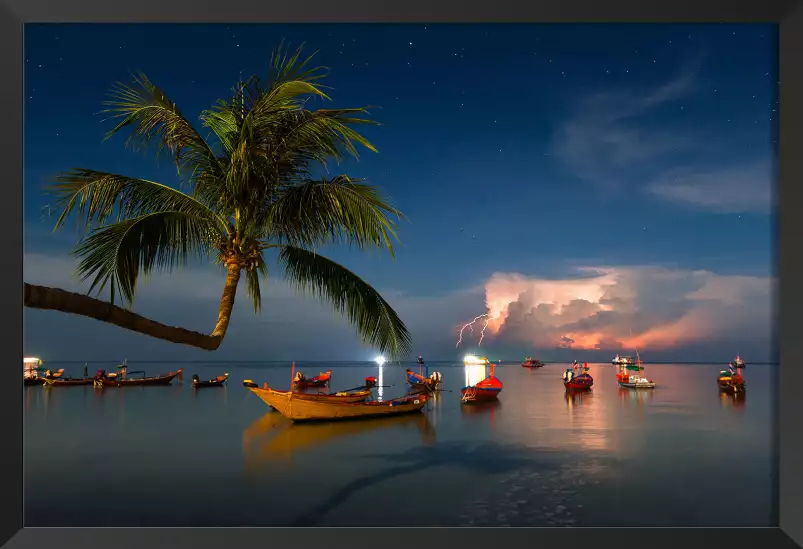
[474,374]
[577,398]
[380,381]
[477,410]
[274,437]
[732,401]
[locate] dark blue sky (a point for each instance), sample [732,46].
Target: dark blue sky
[515,149]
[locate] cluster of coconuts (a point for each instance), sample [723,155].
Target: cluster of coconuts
[233,252]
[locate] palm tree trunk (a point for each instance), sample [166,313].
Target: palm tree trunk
[56,299]
[227,302]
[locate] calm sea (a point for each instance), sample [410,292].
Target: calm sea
[680,455]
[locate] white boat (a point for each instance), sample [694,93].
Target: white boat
[622,360]
[636,382]
[471,360]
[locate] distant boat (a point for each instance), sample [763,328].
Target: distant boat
[471,360]
[483,391]
[574,382]
[738,362]
[218,381]
[731,382]
[300,381]
[619,360]
[633,381]
[33,373]
[530,362]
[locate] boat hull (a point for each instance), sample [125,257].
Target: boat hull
[479,394]
[219,381]
[30,381]
[296,407]
[532,365]
[578,385]
[420,383]
[69,382]
[166,379]
[629,385]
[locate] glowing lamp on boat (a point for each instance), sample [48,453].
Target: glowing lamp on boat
[472,360]
[380,360]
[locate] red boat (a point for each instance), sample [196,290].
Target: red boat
[731,382]
[530,362]
[486,390]
[574,382]
[300,381]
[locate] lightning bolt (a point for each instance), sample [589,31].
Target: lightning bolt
[471,326]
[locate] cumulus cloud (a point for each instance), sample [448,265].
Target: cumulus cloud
[740,189]
[644,307]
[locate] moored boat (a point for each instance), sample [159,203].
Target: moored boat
[633,381]
[357,394]
[33,373]
[299,407]
[123,378]
[530,362]
[422,383]
[300,381]
[217,381]
[483,391]
[738,362]
[577,382]
[731,382]
[619,360]
[68,382]
[472,360]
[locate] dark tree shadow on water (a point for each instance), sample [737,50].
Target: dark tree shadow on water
[484,460]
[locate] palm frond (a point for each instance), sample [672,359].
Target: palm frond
[376,321]
[156,241]
[336,210]
[156,120]
[252,284]
[96,196]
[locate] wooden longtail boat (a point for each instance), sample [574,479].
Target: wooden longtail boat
[358,394]
[731,382]
[421,383]
[125,381]
[300,407]
[573,382]
[530,362]
[69,382]
[300,381]
[218,381]
[486,390]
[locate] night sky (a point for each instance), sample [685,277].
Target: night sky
[588,186]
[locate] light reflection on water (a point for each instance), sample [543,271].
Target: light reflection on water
[546,457]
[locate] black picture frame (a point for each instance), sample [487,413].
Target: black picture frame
[787,13]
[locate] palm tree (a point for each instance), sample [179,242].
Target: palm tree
[250,190]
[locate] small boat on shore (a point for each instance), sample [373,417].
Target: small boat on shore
[217,381]
[123,378]
[738,362]
[731,382]
[300,407]
[574,382]
[483,391]
[530,362]
[300,381]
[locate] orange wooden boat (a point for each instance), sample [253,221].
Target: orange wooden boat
[327,407]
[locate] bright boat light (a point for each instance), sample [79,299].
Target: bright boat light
[380,360]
